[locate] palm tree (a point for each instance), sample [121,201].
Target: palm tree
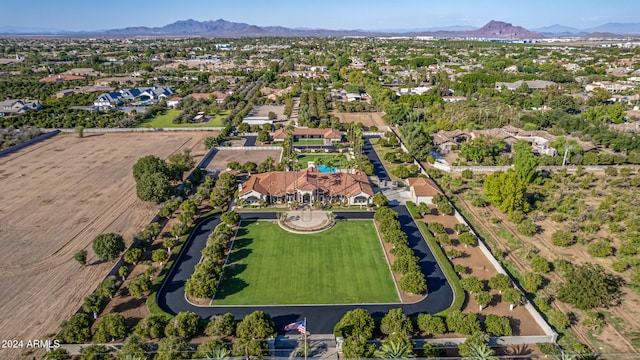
[393,350]
[481,351]
[219,354]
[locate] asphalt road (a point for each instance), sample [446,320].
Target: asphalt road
[320,318]
[367,149]
[250,140]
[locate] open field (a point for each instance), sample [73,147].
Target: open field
[342,265]
[56,196]
[165,120]
[365,118]
[222,158]
[263,110]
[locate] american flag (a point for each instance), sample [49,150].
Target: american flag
[301,326]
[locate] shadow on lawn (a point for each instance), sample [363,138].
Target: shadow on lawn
[231,284]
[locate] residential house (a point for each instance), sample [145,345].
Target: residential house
[108,100]
[307,186]
[449,140]
[329,136]
[532,84]
[174,101]
[610,86]
[423,190]
[449,99]
[18,106]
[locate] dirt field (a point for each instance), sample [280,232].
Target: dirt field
[477,265]
[366,118]
[611,340]
[224,157]
[56,197]
[263,110]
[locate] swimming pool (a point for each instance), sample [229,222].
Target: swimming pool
[326,169]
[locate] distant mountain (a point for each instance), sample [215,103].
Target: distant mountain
[616,28]
[558,29]
[499,29]
[224,28]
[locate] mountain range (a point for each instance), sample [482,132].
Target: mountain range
[224,28]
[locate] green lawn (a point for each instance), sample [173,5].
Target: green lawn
[165,120]
[268,265]
[303,159]
[309,142]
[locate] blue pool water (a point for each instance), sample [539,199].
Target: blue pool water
[326,169]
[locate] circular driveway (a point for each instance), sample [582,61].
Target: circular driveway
[320,318]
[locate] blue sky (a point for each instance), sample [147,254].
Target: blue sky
[328,14]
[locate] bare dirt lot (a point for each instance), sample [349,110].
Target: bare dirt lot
[223,157]
[365,118]
[56,197]
[263,110]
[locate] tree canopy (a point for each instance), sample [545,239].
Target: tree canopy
[589,286]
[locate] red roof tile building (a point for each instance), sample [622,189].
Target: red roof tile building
[423,190]
[329,136]
[307,186]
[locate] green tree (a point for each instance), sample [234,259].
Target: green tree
[179,163]
[379,199]
[405,264]
[356,323]
[396,322]
[109,328]
[172,348]
[514,297]
[589,286]
[212,349]
[467,239]
[413,283]
[257,325]
[500,282]
[80,131]
[133,348]
[483,298]
[357,348]
[138,286]
[525,162]
[168,243]
[527,228]
[152,327]
[95,352]
[184,325]
[540,264]
[221,325]
[563,238]
[76,329]
[92,304]
[558,319]
[472,284]
[188,211]
[159,256]
[230,218]
[431,324]
[445,208]
[153,179]
[507,191]
[463,323]
[497,325]
[108,246]
[81,257]
[132,256]
[107,288]
[531,281]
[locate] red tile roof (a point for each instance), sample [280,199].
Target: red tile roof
[279,183]
[424,186]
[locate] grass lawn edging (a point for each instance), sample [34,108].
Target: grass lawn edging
[413,210]
[458,293]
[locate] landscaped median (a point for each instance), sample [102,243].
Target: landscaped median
[445,265]
[152,301]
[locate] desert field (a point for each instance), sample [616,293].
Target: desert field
[223,157]
[55,197]
[365,118]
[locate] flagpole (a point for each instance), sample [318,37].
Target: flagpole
[305,338]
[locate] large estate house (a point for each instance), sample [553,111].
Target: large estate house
[307,186]
[329,136]
[19,106]
[148,94]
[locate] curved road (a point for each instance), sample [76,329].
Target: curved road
[320,318]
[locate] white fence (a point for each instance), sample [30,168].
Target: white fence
[123,130]
[224,148]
